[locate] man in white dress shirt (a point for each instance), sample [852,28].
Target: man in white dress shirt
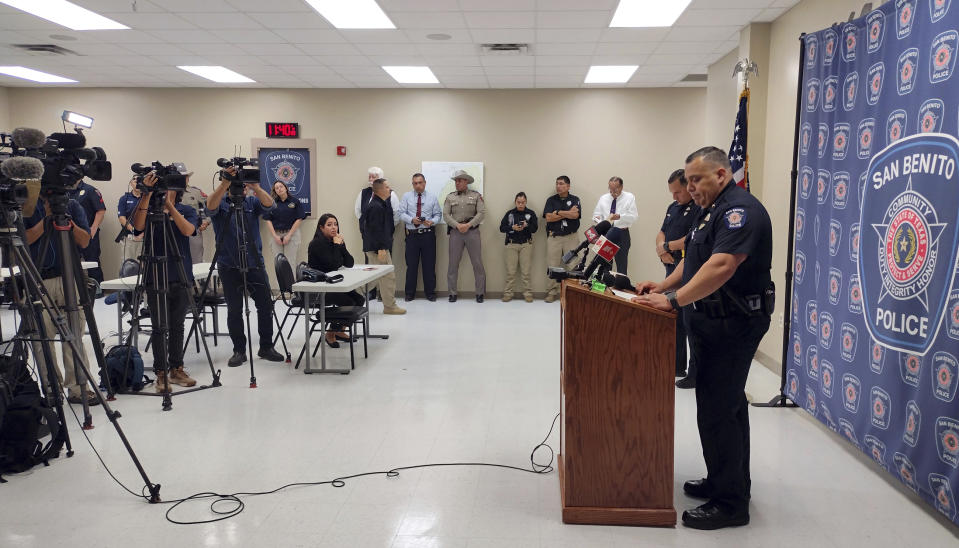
[619,208]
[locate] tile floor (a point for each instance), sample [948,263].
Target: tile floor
[457,382]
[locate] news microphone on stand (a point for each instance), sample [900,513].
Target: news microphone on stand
[618,281]
[592,234]
[605,251]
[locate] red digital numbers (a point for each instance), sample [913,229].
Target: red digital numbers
[282,130]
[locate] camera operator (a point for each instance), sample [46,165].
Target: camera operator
[91,201]
[132,243]
[168,361]
[50,264]
[255,204]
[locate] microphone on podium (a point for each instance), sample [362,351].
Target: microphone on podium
[592,234]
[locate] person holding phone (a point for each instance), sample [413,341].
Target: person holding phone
[518,224]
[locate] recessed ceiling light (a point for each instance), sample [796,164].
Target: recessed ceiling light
[412,75]
[35,75]
[219,74]
[438,36]
[353,14]
[65,13]
[648,13]
[610,74]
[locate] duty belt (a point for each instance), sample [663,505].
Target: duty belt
[723,304]
[419,230]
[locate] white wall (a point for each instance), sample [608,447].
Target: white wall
[722,91]
[5,111]
[525,137]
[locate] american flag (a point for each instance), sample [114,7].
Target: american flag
[737,150]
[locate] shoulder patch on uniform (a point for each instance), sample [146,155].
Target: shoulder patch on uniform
[735,218]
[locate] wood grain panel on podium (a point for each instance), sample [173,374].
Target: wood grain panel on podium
[617,404]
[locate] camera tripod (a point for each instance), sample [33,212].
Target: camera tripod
[32,299]
[153,279]
[237,217]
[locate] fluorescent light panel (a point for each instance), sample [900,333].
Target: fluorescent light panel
[218,74]
[648,13]
[65,13]
[353,14]
[35,75]
[412,75]
[610,74]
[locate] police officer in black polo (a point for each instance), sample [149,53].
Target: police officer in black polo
[562,213]
[724,285]
[680,216]
[91,201]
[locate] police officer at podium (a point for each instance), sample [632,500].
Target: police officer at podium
[724,286]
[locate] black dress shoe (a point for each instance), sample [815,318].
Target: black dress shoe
[332,344]
[686,382]
[91,400]
[479,298]
[237,359]
[697,489]
[709,517]
[408,298]
[431,298]
[270,355]
[452,298]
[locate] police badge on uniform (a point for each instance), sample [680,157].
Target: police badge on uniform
[909,240]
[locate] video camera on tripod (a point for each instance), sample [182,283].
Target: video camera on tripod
[168,177]
[247,172]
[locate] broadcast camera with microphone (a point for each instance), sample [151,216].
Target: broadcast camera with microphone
[168,177]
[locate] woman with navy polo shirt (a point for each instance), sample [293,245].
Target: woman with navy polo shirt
[284,222]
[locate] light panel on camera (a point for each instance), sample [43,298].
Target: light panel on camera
[65,13]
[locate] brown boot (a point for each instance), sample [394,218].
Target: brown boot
[179,376]
[162,382]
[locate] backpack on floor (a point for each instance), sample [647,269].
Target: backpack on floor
[125,369]
[29,429]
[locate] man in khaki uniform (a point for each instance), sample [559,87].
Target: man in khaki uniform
[195,198]
[562,213]
[463,212]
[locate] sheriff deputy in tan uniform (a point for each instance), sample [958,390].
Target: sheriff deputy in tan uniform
[463,212]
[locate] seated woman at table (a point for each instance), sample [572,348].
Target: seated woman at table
[327,252]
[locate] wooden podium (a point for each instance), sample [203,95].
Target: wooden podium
[617,393]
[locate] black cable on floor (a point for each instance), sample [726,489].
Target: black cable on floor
[236,505]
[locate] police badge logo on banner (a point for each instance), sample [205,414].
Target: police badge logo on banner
[895,126]
[835,285]
[805,182]
[952,327]
[875,75]
[822,187]
[930,116]
[910,434]
[812,94]
[906,74]
[850,34]
[875,25]
[835,237]
[911,203]
[851,87]
[847,430]
[851,388]
[938,9]
[905,12]
[848,337]
[830,87]
[945,376]
[823,142]
[943,52]
[812,50]
[812,362]
[877,449]
[800,269]
[806,135]
[829,38]
[877,358]
[855,295]
[828,375]
[840,190]
[865,131]
[942,492]
[947,440]
[800,224]
[840,141]
[881,407]
[906,471]
[910,368]
[826,330]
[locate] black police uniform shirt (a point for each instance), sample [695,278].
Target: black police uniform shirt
[226,236]
[679,221]
[377,225]
[514,217]
[128,203]
[736,223]
[562,227]
[49,264]
[89,199]
[285,213]
[158,248]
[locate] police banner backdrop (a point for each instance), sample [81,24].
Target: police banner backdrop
[290,165]
[875,325]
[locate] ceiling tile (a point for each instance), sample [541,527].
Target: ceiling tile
[508,71]
[194,6]
[503,36]
[350,71]
[119,6]
[151,21]
[428,20]
[222,21]
[419,36]
[447,48]
[569,5]
[706,4]
[388,49]
[675,59]
[635,35]
[312,71]
[274,51]
[625,48]
[461,70]
[507,61]
[311,20]
[418,5]
[343,60]
[215,48]
[582,48]
[573,19]
[272,6]
[387,36]
[328,49]
[500,19]
[465,61]
[384,81]
[562,70]
[769,15]
[252,36]
[18,20]
[99,49]
[186,36]
[155,48]
[709,17]
[703,34]
[636,59]
[669,69]
[561,60]
[313,36]
[567,36]
[686,47]
[463,81]
[497,5]
[397,60]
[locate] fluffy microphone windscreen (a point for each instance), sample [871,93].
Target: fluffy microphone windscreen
[27,137]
